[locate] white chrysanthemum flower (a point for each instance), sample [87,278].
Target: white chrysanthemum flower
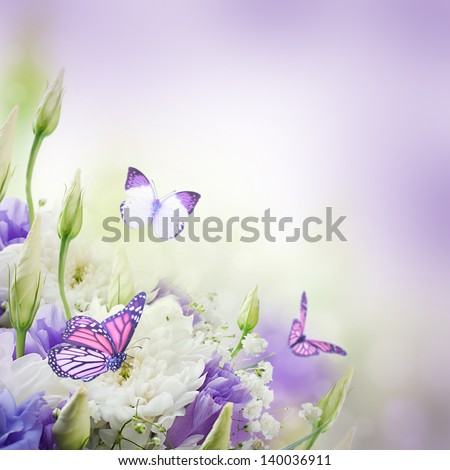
[270,427]
[87,272]
[30,374]
[163,377]
[253,344]
[310,413]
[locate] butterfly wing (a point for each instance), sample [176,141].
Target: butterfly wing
[326,347]
[77,362]
[303,311]
[86,332]
[121,326]
[298,326]
[141,198]
[305,349]
[295,334]
[179,204]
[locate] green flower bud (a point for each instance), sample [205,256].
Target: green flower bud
[71,216]
[140,428]
[7,133]
[26,285]
[249,315]
[49,109]
[219,436]
[121,287]
[72,428]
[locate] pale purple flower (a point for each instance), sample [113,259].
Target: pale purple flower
[45,332]
[166,288]
[14,222]
[27,426]
[221,386]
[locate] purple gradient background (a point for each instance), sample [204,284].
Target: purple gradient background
[291,105]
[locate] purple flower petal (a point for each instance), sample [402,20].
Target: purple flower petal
[221,386]
[14,222]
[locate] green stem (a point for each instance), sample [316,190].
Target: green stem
[38,138]
[239,345]
[20,342]
[64,248]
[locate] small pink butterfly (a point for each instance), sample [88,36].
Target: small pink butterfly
[308,347]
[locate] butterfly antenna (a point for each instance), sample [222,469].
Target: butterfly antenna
[140,339]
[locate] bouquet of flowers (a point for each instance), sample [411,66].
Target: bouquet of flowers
[91,358]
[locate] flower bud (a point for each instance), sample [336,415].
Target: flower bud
[72,428]
[140,428]
[49,109]
[7,133]
[121,287]
[219,436]
[71,216]
[26,282]
[249,315]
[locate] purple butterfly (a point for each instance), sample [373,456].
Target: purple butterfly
[92,348]
[308,347]
[144,205]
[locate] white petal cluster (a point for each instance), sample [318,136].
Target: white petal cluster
[270,427]
[257,380]
[211,324]
[310,413]
[162,379]
[30,374]
[253,344]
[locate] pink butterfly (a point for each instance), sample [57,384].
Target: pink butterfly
[143,205]
[92,348]
[308,347]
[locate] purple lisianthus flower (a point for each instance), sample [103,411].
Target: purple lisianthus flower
[46,331]
[221,386]
[14,222]
[27,426]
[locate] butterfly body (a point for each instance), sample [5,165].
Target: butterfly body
[115,363]
[300,340]
[166,215]
[91,348]
[303,347]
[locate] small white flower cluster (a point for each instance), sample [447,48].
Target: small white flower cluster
[211,326]
[253,344]
[259,420]
[310,413]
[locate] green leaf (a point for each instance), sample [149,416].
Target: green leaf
[312,434]
[331,404]
[219,436]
